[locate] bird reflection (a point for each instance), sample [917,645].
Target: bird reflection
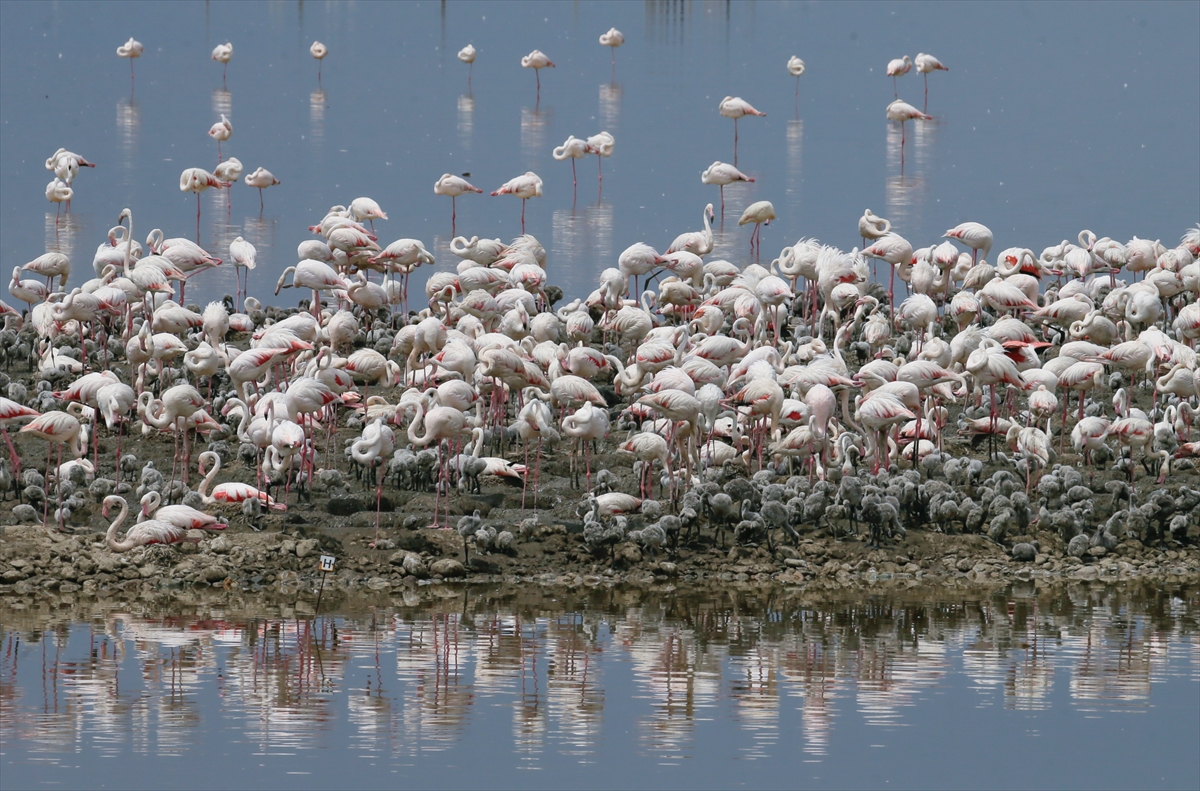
[795,143]
[466,120]
[75,678]
[904,196]
[584,236]
[316,115]
[534,123]
[129,124]
[62,233]
[222,101]
[610,105]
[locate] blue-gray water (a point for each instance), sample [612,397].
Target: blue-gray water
[1078,688]
[1052,118]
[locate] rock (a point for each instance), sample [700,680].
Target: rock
[213,574]
[448,567]
[484,565]
[1085,573]
[795,563]
[1097,551]
[384,544]
[344,506]
[397,557]
[220,545]
[11,576]
[378,584]
[308,546]
[287,546]
[966,564]
[415,567]
[668,568]
[1041,559]
[1024,552]
[628,553]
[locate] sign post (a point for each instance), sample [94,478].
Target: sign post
[324,566]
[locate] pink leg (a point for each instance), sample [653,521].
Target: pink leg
[46,498]
[12,455]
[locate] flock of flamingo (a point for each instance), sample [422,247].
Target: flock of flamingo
[716,373]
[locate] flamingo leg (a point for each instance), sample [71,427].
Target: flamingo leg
[453,213]
[46,498]
[523,213]
[537,473]
[58,486]
[12,455]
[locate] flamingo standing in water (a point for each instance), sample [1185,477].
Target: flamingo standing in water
[221,131]
[602,145]
[722,173]
[735,107]
[59,192]
[223,53]
[198,180]
[524,187]
[795,67]
[760,213]
[261,179]
[537,61]
[131,49]
[57,428]
[612,39]
[898,67]
[452,185]
[573,148]
[925,65]
[318,51]
[467,56]
[245,258]
[903,112]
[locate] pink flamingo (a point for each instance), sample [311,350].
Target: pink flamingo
[524,187]
[735,107]
[57,428]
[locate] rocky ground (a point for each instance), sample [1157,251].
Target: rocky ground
[954,523]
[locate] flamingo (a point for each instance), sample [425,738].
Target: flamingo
[197,180]
[366,209]
[57,428]
[646,447]
[177,404]
[245,258]
[759,213]
[871,226]
[315,275]
[795,67]
[735,107]
[373,448]
[524,187]
[601,144]
[697,242]
[441,423]
[143,533]
[181,516]
[221,131]
[925,65]
[223,53]
[974,235]
[902,111]
[454,186]
[318,51]
[721,173]
[229,492]
[12,414]
[261,179]
[59,192]
[877,414]
[50,265]
[573,148]
[537,61]
[898,67]
[589,423]
[895,250]
[28,291]
[131,49]
[467,56]
[612,39]
[1032,444]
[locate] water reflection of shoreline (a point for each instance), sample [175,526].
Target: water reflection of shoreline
[412,680]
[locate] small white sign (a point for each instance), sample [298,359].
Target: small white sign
[326,563]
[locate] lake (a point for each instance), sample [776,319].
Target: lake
[1053,118]
[1062,687]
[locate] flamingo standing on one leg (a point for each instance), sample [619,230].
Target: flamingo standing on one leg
[524,187]
[131,49]
[612,39]
[898,67]
[318,51]
[722,173]
[223,53]
[454,186]
[903,112]
[735,107]
[467,56]
[261,179]
[537,61]
[245,258]
[573,148]
[197,180]
[925,65]
[221,131]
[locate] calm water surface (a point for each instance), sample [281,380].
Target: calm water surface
[1053,118]
[1073,689]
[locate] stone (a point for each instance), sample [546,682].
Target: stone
[287,546]
[378,584]
[213,574]
[397,557]
[448,567]
[1097,551]
[220,545]
[668,568]
[795,563]
[344,506]
[965,564]
[1085,573]
[309,546]
[483,565]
